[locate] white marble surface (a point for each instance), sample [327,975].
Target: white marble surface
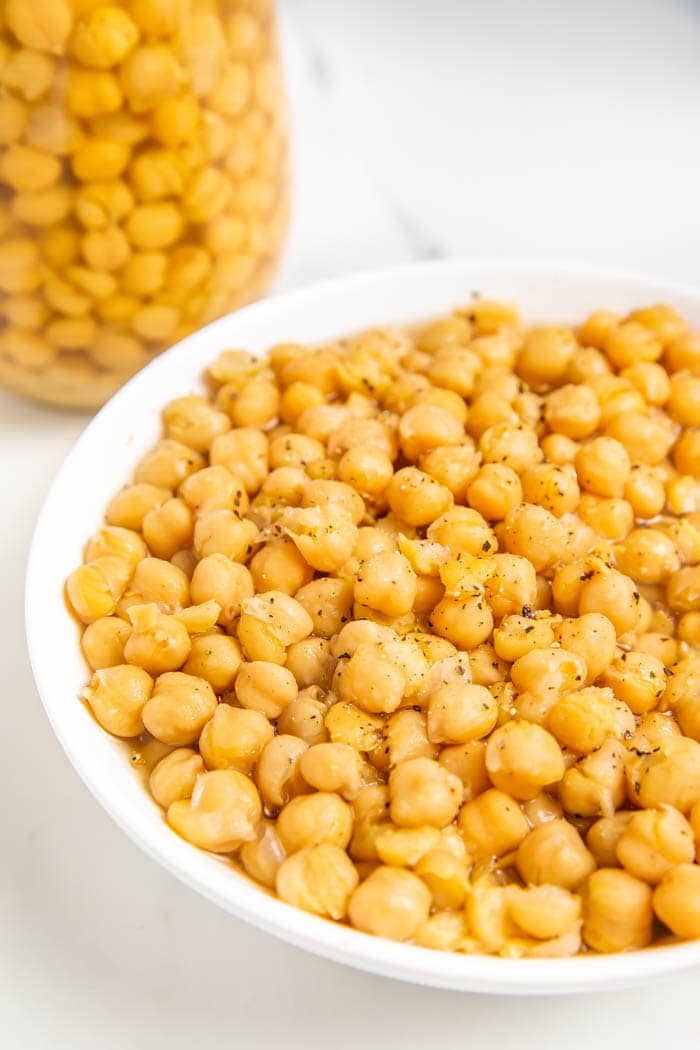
[422,128]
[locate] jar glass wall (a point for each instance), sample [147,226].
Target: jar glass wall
[143,181]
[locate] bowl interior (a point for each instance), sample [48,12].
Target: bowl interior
[103,460]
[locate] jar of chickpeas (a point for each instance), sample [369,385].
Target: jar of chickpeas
[143,182]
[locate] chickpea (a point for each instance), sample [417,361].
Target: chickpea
[427,426]
[603,466]
[265,687]
[129,507]
[492,824]
[465,621]
[404,736]
[94,589]
[512,444]
[173,779]
[519,635]
[452,466]
[222,813]
[495,491]
[325,536]
[103,642]
[319,879]
[269,623]
[328,601]
[592,636]
[668,775]
[168,528]
[543,912]
[573,411]
[534,532]
[458,713]
[423,792]
[463,531]
[113,541]
[552,487]
[554,853]
[348,724]
[676,900]
[391,902]
[617,913]
[263,856]
[596,785]
[117,696]
[545,356]
[603,836]
[416,497]
[216,658]
[224,532]
[157,642]
[637,679]
[521,758]
[582,720]
[311,663]
[233,738]
[309,820]
[168,464]
[278,773]
[511,585]
[386,582]
[686,452]
[612,594]
[655,841]
[558,449]
[178,708]
[369,680]
[648,556]
[304,717]
[332,767]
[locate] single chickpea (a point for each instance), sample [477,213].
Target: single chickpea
[596,785]
[168,528]
[178,708]
[234,738]
[522,758]
[263,856]
[495,491]
[45,25]
[304,717]
[111,540]
[644,490]
[533,532]
[617,912]
[596,329]
[226,582]
[277,772]
[603,466]
[193,422]
[369,680]
[638,679]
[174,777]
[391,902]
[554,853]
[453,466]
[216,658]
[222,813]
[658,644]
[603,836]
[518,635]
[427,426]
[265,687]
[157,642]
[332,767]
[311,663]
[309,820]
[686,452]
[386,582]
[647,555]
[611,594]
[367,468]
[94,589]
[328,601]
[676,900]
[103,37]
[129,507]
[512,444]
[545,356]
[424,792]
[511,585]
[667,775]
[543,912]
[552,487]
[416,497]
[403,736]
[168,464]
[279,565]
[465,621]
[117,696]
[320,879]
[458,713]
[572,411]
[103,642]
[492,824]
[582,720]
[558,449]
[631,342]
[348,724]
[463,531]
[468,762]
[325,536]
[224,532]
[592,636]
[655,841]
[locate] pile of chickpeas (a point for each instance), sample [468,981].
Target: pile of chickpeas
[143,183]
[408,627]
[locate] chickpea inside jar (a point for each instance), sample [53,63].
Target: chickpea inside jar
[143,182]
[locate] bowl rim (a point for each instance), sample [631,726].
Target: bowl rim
[241,896]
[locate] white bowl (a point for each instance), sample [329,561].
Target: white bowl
[103,459]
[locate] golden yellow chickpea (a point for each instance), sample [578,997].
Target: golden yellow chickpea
[465,621]
[173,779]
[554,853]
[545,356]
[332,767]
[617,913]
[492,824]
[612,594]
[669,774]
[233,738]
[534,532]
[582,720]
[226,582]
[265,687]
[244,452]
[319,879]
[94,589]
[45,25]
[223,532]
[423,792]
[573,411]
[309,820]
[603,836]
[222,813]
[168,528]
[116,696]
[417,498]
[596,785]
[157,642]
[179,708]
[216,658]
[522,758]
[655,841]
[458,713]
[636,678]
[103,37]
[270,623]
[386,582]
[391,902]
[518,635]
[103,642]
[676,900]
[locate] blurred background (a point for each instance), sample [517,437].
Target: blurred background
[420,128]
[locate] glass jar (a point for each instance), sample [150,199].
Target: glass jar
[143,181]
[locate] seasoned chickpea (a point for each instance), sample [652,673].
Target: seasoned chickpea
[617,912]
[596,785]
[636,678]
[309,820]
[545,356]
[592,636]
[518,635]
[221,814]
[168,528]
[655,841]
[603,836]
[465,621]
[94,589]
[328,601]
[416,497]
[216,658]
[129,507]
[304,717]
[535,533]
[117,696]
[554,853]
[178,708]
[458,713]
[332,767]
[234,738]
[174,777]
[423,792]
[319,879]
[103,642]
[573,411]
[667,775]
[370,680]
[552,487]
[325,536]
[492,824]
[676,900]
[522,758]
[603,466]
[224,532]
[583,719]
[386,582]
[391,902]
[612,594]
[265,687]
